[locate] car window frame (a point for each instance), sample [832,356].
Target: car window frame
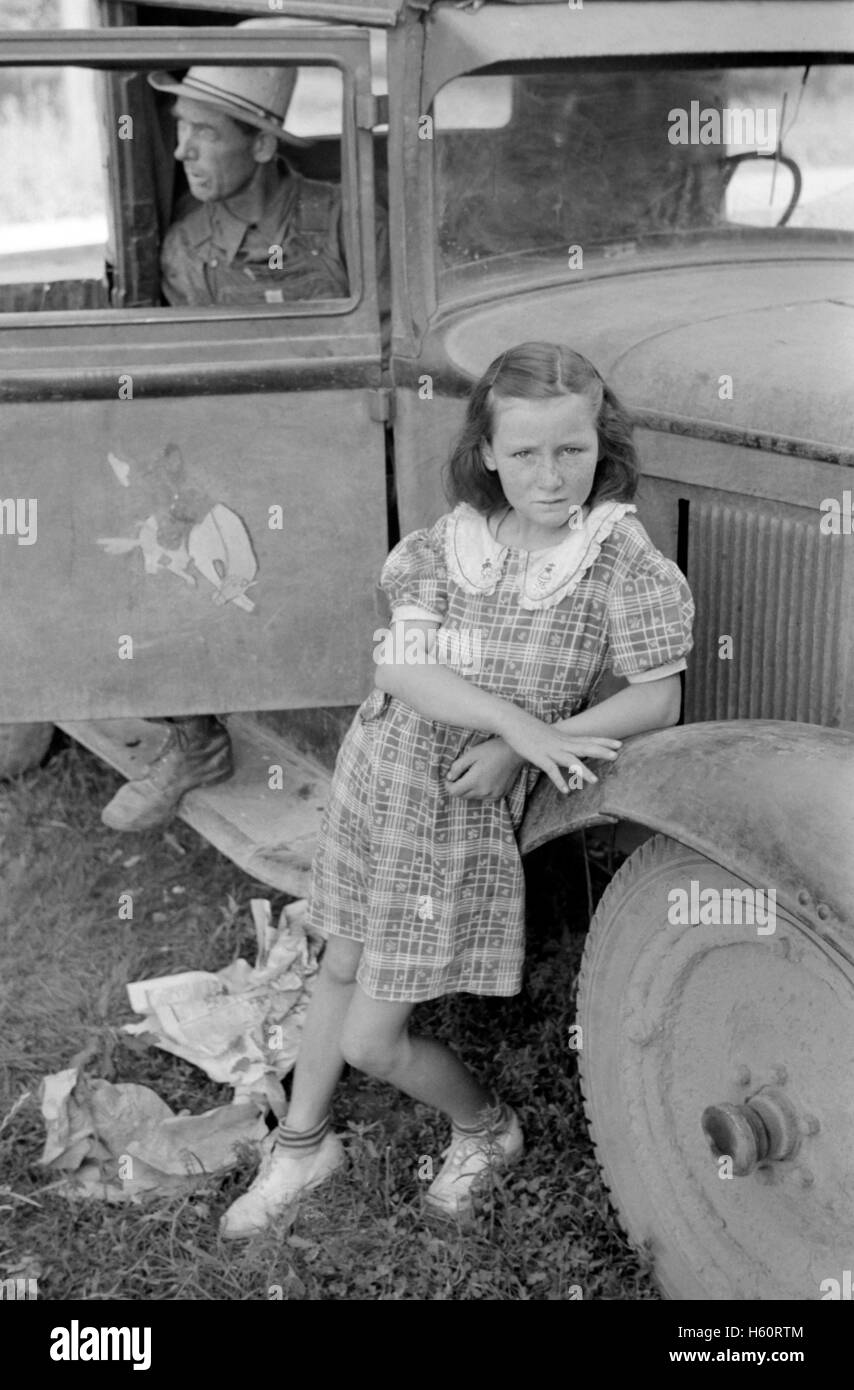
[145,49]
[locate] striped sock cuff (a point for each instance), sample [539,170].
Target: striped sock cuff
[493,1119]
[301,1140]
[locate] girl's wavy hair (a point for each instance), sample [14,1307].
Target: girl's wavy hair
[536,372]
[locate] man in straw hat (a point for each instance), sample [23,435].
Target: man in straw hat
[258,232]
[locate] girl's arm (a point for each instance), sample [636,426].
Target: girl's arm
[433,689]
[440,694]
[635,710]
[489,769]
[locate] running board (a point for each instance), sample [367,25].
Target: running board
[269,833]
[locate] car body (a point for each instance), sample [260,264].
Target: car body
[537,184]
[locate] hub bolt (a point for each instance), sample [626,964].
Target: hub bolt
[761,1132]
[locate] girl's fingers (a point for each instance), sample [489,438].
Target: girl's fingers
[462,785]
[460,765]
[552,771]
[578,748]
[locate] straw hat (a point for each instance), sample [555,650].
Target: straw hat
[258,96]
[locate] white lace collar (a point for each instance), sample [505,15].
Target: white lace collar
[476,559]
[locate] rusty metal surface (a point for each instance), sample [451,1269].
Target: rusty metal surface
[94,383]
[220,541]
[462,41]
[659,336]
[384,13]
[770,442]
[769,800]
[175,47]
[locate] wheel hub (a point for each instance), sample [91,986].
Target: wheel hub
[762,1131]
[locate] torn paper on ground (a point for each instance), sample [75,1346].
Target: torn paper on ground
[120,1143]
[242,1024]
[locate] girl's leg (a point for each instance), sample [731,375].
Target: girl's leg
[376,1040]
[320,1061]
[485,1134]
[305,1152]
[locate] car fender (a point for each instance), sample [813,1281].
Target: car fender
[768,800]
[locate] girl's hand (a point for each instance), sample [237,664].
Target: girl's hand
[549,747]
[486,771]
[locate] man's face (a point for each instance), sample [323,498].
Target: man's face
[218,158]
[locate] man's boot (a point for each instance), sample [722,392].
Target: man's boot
[197,753]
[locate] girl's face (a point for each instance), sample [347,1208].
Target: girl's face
[545,454]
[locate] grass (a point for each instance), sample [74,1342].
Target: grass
[545,1226]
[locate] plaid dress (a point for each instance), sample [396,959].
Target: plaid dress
[431,884]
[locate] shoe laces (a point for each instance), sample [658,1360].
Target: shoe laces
[468,1146]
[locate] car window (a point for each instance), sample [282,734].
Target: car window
[475,103]
[174,193]
[315,107]
[591,157]
[54,207]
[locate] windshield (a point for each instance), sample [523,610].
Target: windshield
[530,160]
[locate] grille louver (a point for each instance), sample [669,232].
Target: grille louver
[774,584]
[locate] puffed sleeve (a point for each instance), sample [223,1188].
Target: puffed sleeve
[415,578]
[650,613]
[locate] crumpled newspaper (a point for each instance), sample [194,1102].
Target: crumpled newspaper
[122,1142]
[241,1025]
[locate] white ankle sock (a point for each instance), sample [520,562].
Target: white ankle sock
[494,1119]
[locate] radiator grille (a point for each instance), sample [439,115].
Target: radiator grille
[774,584]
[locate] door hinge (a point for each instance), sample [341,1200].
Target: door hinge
[381,404]
[371,110]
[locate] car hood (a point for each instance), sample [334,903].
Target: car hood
[666,339]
